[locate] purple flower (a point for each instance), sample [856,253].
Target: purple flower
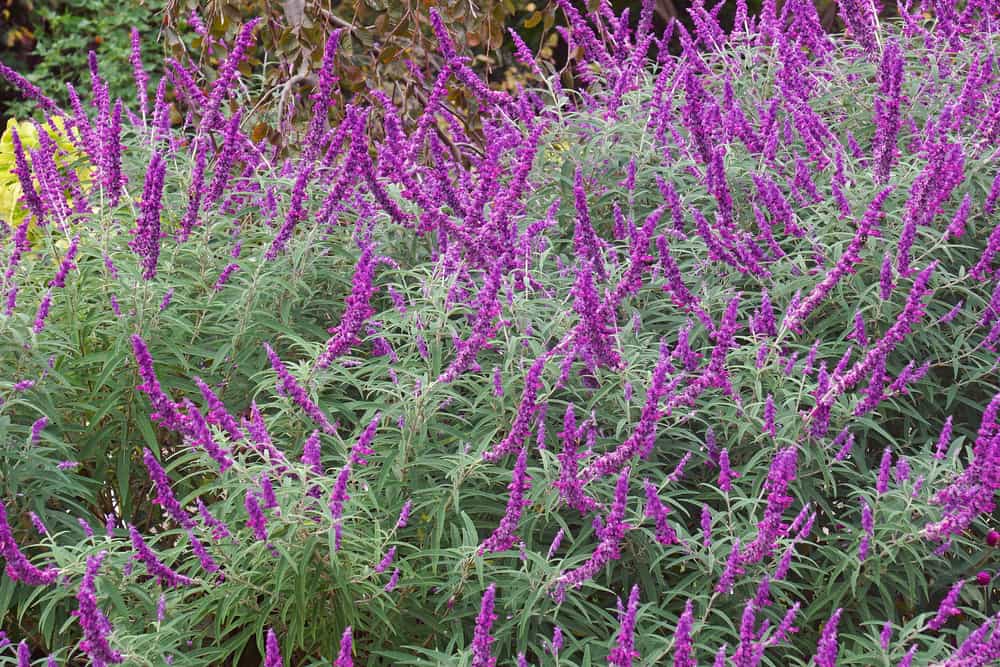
[218,527]
[255,516]
[36,429]
[643,436]
[887,104]
[795,316]
[290,386]
[198,433]
[217,413]
[826,651]
[526,410]
[272,652]
[503,536]
[882,483]
[393,581]
[944,440]
[404,515]
[344,655]
[957,226]
[207,562]
[943,172]
[779,477]
[164,493]
[726,474]
[481,639]
[36,521]
[386,561]
[683,648]
[43,312]
[610,533]
[656,510]
[885,635]
[769,426]
[357,309]
[947,607]
[19,568]
[154,566]
[28,89]
[165,410]
[785,628]
[227,156]
[139,73]
[67,264]
[111,148]
[224,276]
[731,571]
[624,651]
[167,296]
[94,625]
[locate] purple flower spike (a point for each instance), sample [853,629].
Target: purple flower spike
[882,483]
[357,309]
[624,651]
[272,652]
[481,639]
[154,566]
[503,536]
[164,493]
[255,521]
[683,647]
[826,652]
[291,387]
[404,515]
[94,625]
[165,410]
[887,120]
[19,568]
[656,510]
[726,474]
[947,608]
[344,655]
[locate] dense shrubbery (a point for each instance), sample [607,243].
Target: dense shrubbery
[699,361]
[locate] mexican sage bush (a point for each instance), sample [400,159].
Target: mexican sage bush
[694,365]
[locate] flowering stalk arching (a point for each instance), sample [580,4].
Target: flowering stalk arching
[165,410]
[164,493]
[154,566]
[947,607]
[643,436]
[610,533]
[780,475]
[845,265]
[357,308]
[527,409]
[503,536]
[656,510]
[291,387]
[19,568]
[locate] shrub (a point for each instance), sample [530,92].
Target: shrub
[695,364]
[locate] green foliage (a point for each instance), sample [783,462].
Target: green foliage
[431,435]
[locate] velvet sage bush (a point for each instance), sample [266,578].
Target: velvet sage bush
[694,365]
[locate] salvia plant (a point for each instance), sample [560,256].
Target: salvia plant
[693,365]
